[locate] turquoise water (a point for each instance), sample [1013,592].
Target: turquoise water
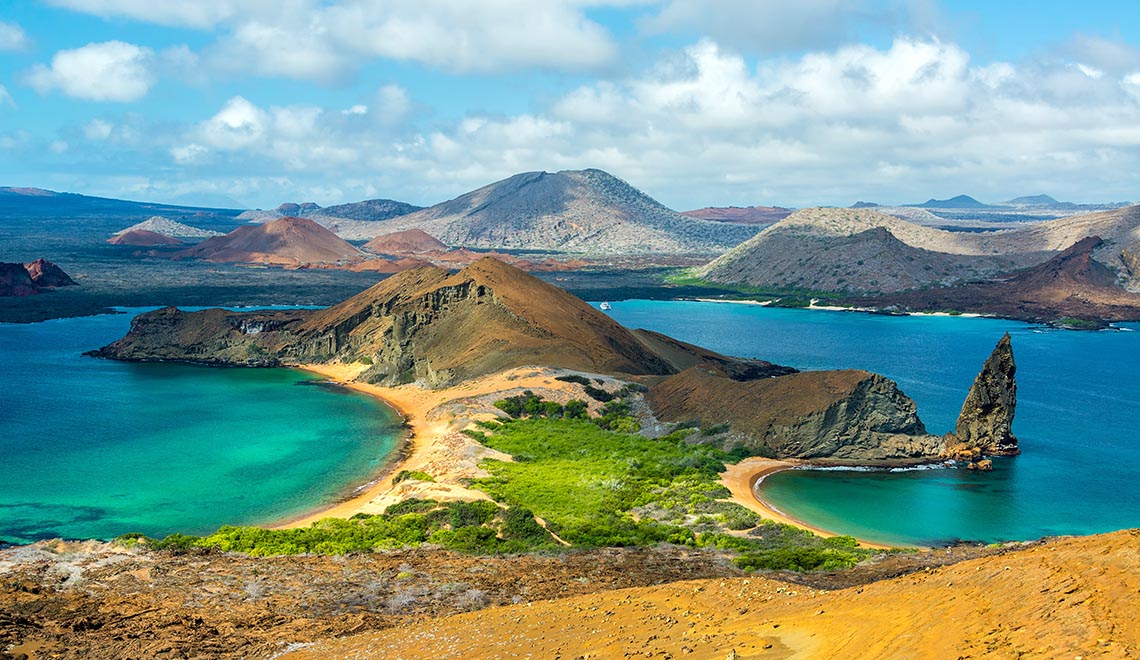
[93,448]
[1078,419]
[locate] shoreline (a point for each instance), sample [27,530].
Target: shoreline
[423,436]
[741,479]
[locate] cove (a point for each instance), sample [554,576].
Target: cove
[1078,417]
[95,448]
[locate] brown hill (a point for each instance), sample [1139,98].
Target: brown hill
[1069,598]
[284,241]
[410,242]
[747,215]
[585,211]
[1071,284]
[143,238]
[424,325]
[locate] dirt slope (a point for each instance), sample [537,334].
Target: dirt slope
[1073,598]
[143,238]
[410,242]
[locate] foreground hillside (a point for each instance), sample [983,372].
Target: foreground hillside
[1072,598]
[586,211]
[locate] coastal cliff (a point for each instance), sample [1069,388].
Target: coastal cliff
[848,416]
[844,415]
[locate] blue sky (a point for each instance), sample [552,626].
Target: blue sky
[780,102]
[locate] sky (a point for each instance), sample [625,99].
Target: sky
[797,103]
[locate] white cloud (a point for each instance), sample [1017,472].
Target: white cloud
[13,37]
[236,126]
[97,130]
[324,42]
[5,97]
[107,71]
[195,13]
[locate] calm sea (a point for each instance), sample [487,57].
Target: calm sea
[1078,419]
[93,448]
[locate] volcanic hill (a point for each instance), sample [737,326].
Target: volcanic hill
[582,211]
[1073,284]
[143,238]
[166,227]
[830,249]
[410,242]
[285,241]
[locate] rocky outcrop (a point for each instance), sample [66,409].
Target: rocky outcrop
[845,416]
[47,275]
[985,424]
[18,279]
[1130,257]
[15,280]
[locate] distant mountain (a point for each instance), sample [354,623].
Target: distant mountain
[830,249]
[39,203]
[160,225]
[580,211]
[370,210]
[959,202]
[865,205]
[748,215]
[1034,200]
[143,238]
[286,241]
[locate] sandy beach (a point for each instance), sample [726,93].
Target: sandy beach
[434,444]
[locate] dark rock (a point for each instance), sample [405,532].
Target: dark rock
[987,414]
[46,275]
[15,280]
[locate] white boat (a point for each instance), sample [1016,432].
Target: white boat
[605,306]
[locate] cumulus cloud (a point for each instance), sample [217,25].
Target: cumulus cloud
[13,38]
[324,42]
[107,71]
[901,123]
[5,97]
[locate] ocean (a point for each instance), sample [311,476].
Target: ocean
[1078,419]
[94,448]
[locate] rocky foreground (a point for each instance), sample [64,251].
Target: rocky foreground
[1063,598]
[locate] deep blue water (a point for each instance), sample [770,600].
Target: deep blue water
[96,448]
[1078,419]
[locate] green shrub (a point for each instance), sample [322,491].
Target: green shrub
[417,475]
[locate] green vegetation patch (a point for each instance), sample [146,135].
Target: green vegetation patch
[415,475]
[778,297]
[470,527]
[597,486]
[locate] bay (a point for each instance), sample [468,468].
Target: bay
[1078,419]
[94,448]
